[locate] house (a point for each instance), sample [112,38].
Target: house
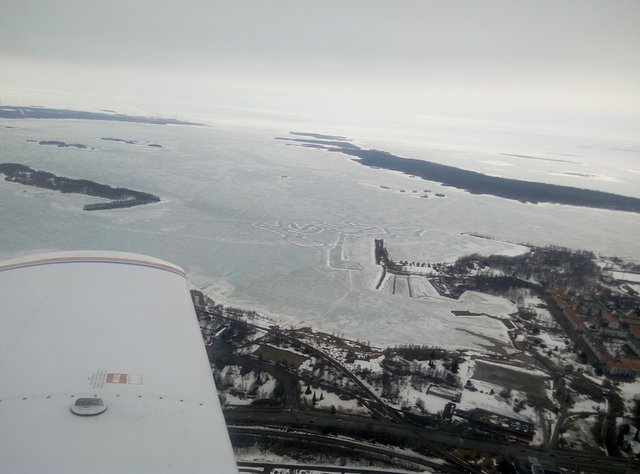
[624,367]
[610,321]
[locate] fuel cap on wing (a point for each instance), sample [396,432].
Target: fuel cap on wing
[88,406]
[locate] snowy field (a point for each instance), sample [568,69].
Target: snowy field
[626,276]
[288,231]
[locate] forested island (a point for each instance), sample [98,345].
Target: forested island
[473,181]
[121,140]
[61,144]
[119,197]
[14,112]
[129,142]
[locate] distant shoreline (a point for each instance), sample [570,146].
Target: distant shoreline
[16,112]
[474,182]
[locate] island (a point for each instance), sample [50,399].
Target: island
[320,135]
[16,112]
[129,142]
[119,197]
[473,181]
[61,144]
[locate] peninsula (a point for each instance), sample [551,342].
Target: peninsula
[473,181]
[119,197]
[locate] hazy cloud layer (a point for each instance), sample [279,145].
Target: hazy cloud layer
[574,63]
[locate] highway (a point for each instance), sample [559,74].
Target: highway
[250,467]
[369,449]
[423,439]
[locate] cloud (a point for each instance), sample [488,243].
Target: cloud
[570,62]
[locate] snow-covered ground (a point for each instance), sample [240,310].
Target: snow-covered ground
[492,305]
[326,399]
[630,392]
[238,388]
[288,231]
[626,276]
[527,300]
[555,346]
[585,404]
[579,436]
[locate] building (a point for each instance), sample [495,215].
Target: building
[569,312]
[624,367]
[610,321]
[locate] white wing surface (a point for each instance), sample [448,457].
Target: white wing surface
[114,337]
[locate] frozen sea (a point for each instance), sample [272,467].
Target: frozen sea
[288,231]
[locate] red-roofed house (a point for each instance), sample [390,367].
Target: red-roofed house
[610,321]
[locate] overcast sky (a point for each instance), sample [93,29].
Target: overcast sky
[571,65]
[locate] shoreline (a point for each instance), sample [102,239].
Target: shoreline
[473,182]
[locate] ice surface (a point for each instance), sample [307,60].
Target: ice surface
[288,231]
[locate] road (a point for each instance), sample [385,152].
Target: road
[391,423]
[376,405]
[369,398]
[428,438]
[247,467]
[379,451]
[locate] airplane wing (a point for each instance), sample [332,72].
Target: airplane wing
[103,369]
